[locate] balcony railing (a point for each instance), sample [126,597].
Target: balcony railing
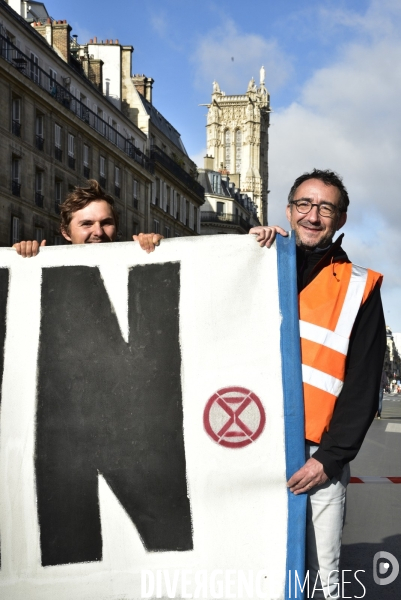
[58,153]
[16,128]
[19,60]
[224,218]
[71,162]
[161,157]
[39,197]
[16,188]
[39,142]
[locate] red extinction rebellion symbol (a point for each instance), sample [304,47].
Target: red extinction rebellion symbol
[234,417]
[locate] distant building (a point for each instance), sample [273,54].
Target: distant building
[238,140]
[226,208]
[66,116]
[392,359]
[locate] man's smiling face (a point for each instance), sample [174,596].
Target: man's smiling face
[93,224]
[311,229]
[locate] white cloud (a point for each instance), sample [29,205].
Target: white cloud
[232,57]
[348,119]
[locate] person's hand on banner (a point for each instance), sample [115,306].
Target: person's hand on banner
[148,241]
[28,249]
[267,235]
[306,478]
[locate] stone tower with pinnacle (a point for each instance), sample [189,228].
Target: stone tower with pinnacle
[238,139]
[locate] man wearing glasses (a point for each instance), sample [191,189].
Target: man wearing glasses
[343,342]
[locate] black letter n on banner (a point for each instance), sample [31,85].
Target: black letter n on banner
[108,407]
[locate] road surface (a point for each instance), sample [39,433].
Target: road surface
[373,519]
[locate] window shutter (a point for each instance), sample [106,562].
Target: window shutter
[164,196]
[183,211]
[191,216]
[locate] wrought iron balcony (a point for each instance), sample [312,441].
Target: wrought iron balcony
[58,153]
[225,218]
[39,197]
[161,157]
[39,142]
[16,188]
[16,128]
[13,55]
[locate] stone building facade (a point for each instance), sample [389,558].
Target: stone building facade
[176,195]
[238,139]
[62,121]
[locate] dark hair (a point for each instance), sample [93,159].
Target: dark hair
[328,178]
[81,197]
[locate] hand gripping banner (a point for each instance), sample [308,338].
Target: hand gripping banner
[151,414]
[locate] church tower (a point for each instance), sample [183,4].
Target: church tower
[238,140]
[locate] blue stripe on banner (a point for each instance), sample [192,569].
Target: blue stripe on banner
[293,410]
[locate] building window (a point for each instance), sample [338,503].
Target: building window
[16,116]
[39,139]
[52,82]
[215,180]
[117,182]
[58,191]
[71,151]
[39,234]
[15,176]
[227,146]
[167,232]
[135,228]
[135,186]
[168,193]
[102,171]
[238,150]
[15,230]
[158,192]
[156,226]
[86,161]
[58,153]
[39,188]
[83,107]
[35,73]
[112,131]
[221,208]
[178,204]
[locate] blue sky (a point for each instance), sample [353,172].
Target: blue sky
[333,69]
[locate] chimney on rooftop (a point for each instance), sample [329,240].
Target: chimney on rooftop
[144,86]
[61,39]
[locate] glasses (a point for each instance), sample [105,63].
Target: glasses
[324,209]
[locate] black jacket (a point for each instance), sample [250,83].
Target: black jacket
[358,401]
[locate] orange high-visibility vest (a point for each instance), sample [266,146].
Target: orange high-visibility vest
[328,307]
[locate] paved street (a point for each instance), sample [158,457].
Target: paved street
[373,521]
